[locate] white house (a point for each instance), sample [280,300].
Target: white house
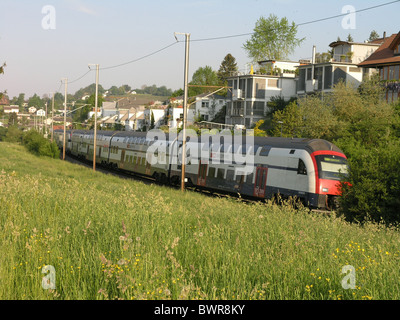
[207,106]
[11,109]
[32,110]
[247,100]
[176,116]
[321,76]
[41,113]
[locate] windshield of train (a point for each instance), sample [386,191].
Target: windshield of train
[332,167]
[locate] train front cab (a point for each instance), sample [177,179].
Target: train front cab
[330,168]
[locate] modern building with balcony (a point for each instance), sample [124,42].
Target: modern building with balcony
[320,76]
[247,99]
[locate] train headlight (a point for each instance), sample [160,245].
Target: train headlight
[325,189]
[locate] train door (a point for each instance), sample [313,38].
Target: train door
[260,182]
[148,164]
[202,175]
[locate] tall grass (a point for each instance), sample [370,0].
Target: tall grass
[109,238]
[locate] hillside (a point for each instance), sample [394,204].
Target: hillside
[110,238]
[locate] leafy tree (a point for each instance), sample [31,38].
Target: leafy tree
[287,122]
[89,90]
[259,132]
[350,38]
[36,101]
[276,103]
[203,76]
[154,90]
[82,114]
[13,119]
[152,120]
[272,39]
[3,133]
[14,135]
[227,68]
[373,36]
[220,116]
[366,128]
[20,100]
[2,72]
[323,57]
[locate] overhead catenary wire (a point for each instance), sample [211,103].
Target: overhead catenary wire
[226,37]
[298,24]
[141,58]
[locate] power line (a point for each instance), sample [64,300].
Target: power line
[141,58]
[299,24]
[226,37]
[345,14]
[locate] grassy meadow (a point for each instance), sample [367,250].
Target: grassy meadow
[112,238]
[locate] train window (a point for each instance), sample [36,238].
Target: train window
[220,173]
[230,174]
[239,178]
[254,150]
[265,151]
[250,178]
[246,149]
[211,172]
[302,169]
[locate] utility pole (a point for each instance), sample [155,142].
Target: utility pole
[52,117]
[45,124]
[185,97]
[65,115]
[95,117]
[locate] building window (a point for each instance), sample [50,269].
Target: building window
[204,104]
[318,76]
[249,89]
[391,73]
[258,108]
[397,49]
[309,73]
[384,75]
[354,69]
[339,74]
[328,77]
[397,72]
[260,88]
[272,83]
[301,84]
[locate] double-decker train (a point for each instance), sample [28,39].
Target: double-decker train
[308,169]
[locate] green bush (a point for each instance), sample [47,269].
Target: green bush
[374,191]
[13,135]
[39,145]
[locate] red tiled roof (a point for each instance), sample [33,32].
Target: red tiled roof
[384,55]
[4,100]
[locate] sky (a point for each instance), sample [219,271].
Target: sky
[41,46]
